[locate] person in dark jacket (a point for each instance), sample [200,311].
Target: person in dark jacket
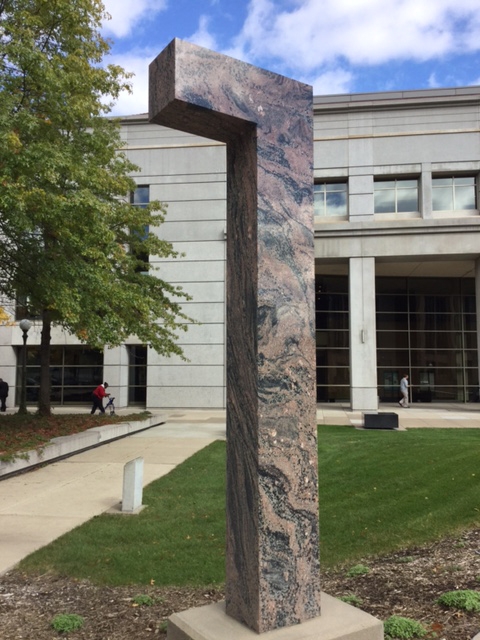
[3,395]
[97,397]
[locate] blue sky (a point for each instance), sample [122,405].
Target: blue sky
[337,46]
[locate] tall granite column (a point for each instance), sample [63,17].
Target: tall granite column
[266,121]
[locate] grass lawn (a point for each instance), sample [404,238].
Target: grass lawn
[20,433]
[379,491]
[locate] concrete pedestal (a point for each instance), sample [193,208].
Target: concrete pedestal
[380,420]
[339,621]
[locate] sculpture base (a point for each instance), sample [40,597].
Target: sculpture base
[339,621]
[380,420]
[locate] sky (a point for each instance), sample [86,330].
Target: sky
[337,46]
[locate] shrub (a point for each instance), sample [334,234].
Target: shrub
[467,600]
[358,570]
[67,622]
[351,599]
[399,628]
[143,600]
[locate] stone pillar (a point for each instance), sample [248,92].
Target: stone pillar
[266,120]
[272,562]
[363,343]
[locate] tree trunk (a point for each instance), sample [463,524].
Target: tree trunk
[44,405]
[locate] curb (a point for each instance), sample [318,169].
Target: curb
[65,446]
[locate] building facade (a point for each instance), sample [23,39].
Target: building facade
[397,243]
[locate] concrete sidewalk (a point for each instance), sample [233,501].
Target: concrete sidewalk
[38,506]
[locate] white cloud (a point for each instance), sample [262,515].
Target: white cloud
[362,32]
[125,14]
[202,36]
[136,63]
[433,82]
[333,81]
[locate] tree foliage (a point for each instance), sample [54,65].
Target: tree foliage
[72,244]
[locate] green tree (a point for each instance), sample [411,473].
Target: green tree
[72,244]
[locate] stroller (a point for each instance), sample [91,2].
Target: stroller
[110,407]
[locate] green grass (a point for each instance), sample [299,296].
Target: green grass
[383,490]
[379,491]
[181,535]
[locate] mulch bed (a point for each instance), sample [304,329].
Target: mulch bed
[407,583]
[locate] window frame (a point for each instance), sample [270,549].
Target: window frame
[398,185]
[323,205]
[454,193]
[142,257]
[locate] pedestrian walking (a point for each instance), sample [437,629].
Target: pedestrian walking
[404,386]
[97,397]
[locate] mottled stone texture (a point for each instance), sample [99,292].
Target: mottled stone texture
[272,499]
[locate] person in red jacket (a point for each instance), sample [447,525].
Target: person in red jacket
[97,397]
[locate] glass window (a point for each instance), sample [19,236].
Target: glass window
[330,198]
[74,373]
[446,358]
[392,304]
[392,321]
[470,340]
[393,358]
[140,198]
[396,196]
[454,194]
[337,376]
[331,339]
[137,374]
[392,339]
[332,357]
[435,321]
[325,320]
[435,304]
[332,302]
[435,340]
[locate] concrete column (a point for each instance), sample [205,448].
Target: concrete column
[115,372]
[477,302]
[360,197]
[363,343]
[425,195]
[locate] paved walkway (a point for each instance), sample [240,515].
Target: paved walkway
[415,417]
[38,506]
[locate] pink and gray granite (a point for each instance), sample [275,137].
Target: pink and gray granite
[266,121]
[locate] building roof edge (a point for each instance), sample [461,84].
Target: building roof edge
[405,99]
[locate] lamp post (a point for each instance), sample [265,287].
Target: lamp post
[24,326]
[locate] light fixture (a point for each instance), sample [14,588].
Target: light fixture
[25,326]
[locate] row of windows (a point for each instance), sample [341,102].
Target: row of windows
[403,339]
[334,321]
[75,371]
[424,326]
[455,193]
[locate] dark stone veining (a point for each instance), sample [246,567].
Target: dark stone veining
[266,121]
